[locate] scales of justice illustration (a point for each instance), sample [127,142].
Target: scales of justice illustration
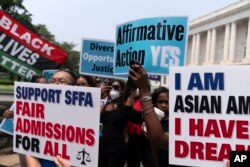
[84,156]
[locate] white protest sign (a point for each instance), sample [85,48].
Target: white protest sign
[55,120]
[209,114]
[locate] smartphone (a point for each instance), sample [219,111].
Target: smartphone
[130,86]
[130,82]
[132,62]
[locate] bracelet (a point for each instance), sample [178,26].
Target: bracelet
[147,108]
[145,113]
[145,98]
[149,111]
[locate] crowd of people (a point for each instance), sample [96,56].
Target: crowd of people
[134,122]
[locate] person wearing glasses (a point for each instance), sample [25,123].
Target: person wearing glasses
[114,119]
[60,77]
[63,77]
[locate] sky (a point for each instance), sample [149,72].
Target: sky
[73,20]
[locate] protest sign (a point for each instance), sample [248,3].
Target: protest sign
[154,77]
[6,125]
[24,52]
[97,57]
[55,120]
[156,43]
[48,74]
[209,114]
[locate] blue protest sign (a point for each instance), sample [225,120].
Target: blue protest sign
[48,74]
[156,43]
[97,58]
[7,124]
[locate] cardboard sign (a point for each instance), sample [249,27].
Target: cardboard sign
[55,120]
[157,43]
[209,114]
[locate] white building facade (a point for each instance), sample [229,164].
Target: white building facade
[219,38]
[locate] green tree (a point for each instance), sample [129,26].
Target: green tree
[22,15]
[43,31]
[19,12]
[73,58]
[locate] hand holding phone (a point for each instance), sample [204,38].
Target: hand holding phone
[130,86]
[132,62]
[130,82]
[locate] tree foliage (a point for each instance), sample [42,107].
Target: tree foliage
[19,12]
[73,58]
[16,9]
[43,31]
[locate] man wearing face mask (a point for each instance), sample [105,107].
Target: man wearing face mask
[114,118]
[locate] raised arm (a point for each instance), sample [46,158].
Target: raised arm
[154,128]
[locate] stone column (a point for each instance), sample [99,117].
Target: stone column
[232,42]
[197,49]
[226,44]
[193,50]
[247,56]
[208,47]
[213,45]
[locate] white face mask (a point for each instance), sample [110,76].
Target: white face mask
[114,94]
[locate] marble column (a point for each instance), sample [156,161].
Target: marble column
[226,44]
[197,49]
[208,44]
[232,42]
[213,45]
[193,50]
[247,56]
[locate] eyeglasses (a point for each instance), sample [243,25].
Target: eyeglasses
[60,81]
